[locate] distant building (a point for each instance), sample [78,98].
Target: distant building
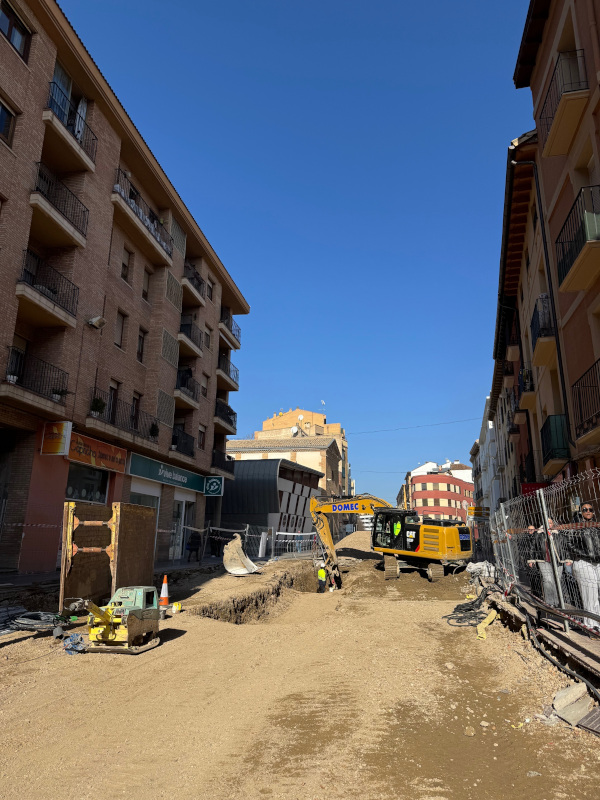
[271,493]
[302,423]
[439,491]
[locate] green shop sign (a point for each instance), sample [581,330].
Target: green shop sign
[160,472]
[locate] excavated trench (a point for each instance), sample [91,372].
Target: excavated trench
[254,605]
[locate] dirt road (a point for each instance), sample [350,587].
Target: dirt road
[363,693]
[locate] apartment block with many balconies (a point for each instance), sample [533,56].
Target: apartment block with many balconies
[117,317]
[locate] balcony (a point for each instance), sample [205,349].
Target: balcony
[585,394]
[514,432]
[107,411]
[34,384]
[527,469]
[190,338]
[230,330]
[59,218]
[225,417]
[543,333]
[223,462]
[512,347]
[69,143]
[194,287]
[555,445]
[187,390]
[526,389]
[508,372]
[183,443]
[228,376]
[565,102]
[46,298]
[140,222]
[578,243]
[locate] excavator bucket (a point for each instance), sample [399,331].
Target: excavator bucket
[235,560]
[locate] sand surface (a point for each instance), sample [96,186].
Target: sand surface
[363,693]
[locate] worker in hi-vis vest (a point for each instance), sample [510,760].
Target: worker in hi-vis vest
[322,578]
[397,528]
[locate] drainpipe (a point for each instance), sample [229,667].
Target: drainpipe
[542,219]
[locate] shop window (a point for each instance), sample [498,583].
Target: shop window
[139,499]
[87,484]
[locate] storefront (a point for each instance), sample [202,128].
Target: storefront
[176,494]
[66,466]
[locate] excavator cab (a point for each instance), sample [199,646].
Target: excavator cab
[396,529]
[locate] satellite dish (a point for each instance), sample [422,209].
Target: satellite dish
[300,417]
[294,430]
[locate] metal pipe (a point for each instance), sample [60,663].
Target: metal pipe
[542,218]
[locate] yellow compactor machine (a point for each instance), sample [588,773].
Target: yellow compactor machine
[128,624]
[405,541]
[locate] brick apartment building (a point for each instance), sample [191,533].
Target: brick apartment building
[438,491]
[545,395]
[116,315]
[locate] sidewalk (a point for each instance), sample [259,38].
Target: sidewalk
[9,580]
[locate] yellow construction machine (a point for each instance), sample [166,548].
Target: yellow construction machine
[128,624]
[405,541]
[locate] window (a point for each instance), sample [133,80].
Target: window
[448,487]
[7,119]
[204,385]
[140,348]
[87,484]
[201,437]
[209,288]
[207,338]
[146,285]
[135,410]
[14,30]
[436,487]
[126,264]
[120,329]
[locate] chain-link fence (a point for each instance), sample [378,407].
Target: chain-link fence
[547,545]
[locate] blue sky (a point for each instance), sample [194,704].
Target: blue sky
[347,162]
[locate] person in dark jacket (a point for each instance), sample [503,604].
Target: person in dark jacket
[193,545]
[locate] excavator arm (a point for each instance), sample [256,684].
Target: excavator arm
[320,507]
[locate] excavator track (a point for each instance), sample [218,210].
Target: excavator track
[435,571]
[390,567]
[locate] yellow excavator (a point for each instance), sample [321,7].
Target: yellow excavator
[399,534]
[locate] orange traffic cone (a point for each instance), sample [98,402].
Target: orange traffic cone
[164,595]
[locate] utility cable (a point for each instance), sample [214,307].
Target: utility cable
[413,427]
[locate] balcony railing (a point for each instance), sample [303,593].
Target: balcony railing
[569,76]
[232,326]
[228,368]
[555,443]
[36,375]
[49,282]
[186,384]
[222,461]
[68,113]
[527,470]
[142,210]
[541,320]
[586,401]
[110,409]
[582,225]
[194,278]
[183,442]
[526,383]
[224,412]
[191,330]
[62,198]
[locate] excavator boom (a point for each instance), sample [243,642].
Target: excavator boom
[320,507]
